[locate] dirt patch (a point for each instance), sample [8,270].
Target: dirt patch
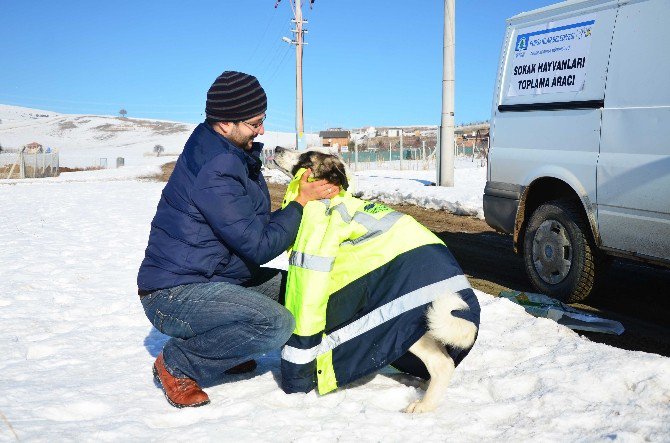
[38,173]
[62,169]
[62,126]
[166,172]
[631,293]
[6,169]
[159,128]
[108,127]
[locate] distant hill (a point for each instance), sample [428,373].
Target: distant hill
[82,140]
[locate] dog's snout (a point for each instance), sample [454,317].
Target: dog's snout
[279,149]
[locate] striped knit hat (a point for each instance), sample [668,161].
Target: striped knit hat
[235,96]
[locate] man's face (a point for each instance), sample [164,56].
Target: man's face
[243,133]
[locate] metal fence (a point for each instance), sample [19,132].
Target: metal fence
[23,165]
[407,159]
[412,159]
[478,151]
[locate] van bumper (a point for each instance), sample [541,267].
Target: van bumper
[501,201]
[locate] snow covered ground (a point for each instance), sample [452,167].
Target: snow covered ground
[417,187]
[77,349]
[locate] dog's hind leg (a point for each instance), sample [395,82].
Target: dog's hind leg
[440,367]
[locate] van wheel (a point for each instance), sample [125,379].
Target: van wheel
[558,253]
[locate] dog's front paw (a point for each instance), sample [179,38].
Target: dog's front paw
[418,406]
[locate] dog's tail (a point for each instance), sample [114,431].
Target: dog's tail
[447,328]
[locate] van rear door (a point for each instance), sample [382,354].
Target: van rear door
[633,175]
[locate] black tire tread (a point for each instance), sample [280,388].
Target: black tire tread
[587,277]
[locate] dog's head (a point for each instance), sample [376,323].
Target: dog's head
[324,166]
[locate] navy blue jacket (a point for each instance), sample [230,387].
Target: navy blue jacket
[213,222]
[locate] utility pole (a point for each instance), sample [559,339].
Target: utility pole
[445,171]
[298,70]
[298,41]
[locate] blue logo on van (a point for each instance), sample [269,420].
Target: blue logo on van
[521,42]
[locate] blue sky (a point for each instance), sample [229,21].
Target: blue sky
[366,63]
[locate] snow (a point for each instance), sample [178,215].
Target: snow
[416,187]
[77,349]
[409,187]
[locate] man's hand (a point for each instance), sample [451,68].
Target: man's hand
[316,190]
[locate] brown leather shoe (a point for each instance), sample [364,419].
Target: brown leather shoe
[180,392]
[242,368]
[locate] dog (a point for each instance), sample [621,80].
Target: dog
[451,319]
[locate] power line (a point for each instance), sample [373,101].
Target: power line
[272,77]
[274,52]
[267,26]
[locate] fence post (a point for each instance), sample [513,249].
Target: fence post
[22,165]
[356,155]
[438,175]
[401,145]
[390,152]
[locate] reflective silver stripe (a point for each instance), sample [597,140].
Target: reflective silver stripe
[374,226]
[342,210]
[375,318]
[311,262]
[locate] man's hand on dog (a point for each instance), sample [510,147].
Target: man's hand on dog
[315,190]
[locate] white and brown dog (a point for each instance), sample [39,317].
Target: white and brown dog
[452,318]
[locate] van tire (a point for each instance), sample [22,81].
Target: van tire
[558,227]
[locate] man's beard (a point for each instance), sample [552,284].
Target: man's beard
[241,140]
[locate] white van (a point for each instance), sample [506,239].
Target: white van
[579,164]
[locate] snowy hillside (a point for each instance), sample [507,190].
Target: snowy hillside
[82,140]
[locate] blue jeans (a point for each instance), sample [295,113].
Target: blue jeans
[215,326]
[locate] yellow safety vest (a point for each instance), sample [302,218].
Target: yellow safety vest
[356,269]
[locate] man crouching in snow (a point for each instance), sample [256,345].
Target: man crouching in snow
[201,281]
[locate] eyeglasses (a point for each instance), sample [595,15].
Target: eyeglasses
[255,126]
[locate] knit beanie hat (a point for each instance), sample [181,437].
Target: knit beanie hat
[235,96]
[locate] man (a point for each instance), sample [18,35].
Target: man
[201,281]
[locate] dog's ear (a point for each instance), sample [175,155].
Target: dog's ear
[304,161]
[334,171]
[342,171]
